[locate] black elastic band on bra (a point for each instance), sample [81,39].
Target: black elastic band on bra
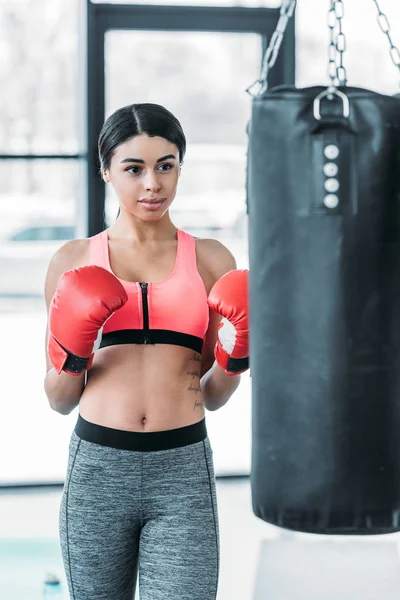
[148,441]
[151,336]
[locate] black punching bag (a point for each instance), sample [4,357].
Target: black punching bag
[324,242]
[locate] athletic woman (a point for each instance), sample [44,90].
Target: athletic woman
[136,340]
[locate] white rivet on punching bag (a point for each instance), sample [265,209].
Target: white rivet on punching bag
[331,151]
[330,169]
[331,185]
[331,201]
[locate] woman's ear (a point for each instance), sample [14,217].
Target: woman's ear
[106,176]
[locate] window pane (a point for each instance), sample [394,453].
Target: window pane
[366,59]
[213,109]
[201,77]
[251,3]
[202,80]
[38,76]
[37,213]
[37,209]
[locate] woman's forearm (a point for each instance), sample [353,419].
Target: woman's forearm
[217,387]
[63,390]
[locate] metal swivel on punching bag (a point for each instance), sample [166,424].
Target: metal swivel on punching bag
[324,240]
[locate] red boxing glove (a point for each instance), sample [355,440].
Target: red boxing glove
[84,299]
[229,298]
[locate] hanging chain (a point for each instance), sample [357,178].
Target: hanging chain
[385,26]
[336,69]
[271,54]
[337,46]
[287,10]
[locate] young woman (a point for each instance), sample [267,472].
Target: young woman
[134,326]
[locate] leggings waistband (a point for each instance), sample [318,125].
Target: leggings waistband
[148,441]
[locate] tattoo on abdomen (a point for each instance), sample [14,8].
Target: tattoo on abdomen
[194,372]
[196,357]
[195,375]
[198,404]
[194,388]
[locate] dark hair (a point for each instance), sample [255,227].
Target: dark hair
[136,119]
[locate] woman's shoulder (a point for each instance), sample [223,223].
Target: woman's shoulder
[71,255]
[216,258]
[74,253]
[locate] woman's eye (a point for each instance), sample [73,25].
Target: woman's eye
[132,170]
[135,170]
[169,165]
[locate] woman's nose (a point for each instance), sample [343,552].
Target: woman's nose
[151,182]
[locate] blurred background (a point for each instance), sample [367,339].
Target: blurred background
[65,67]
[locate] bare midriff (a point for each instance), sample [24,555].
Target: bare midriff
[143,388]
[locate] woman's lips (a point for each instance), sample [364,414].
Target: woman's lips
[152,204]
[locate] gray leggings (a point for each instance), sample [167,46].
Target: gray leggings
[140,502]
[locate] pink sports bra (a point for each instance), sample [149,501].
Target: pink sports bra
[173,310]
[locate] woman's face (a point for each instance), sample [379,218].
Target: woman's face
[144,173]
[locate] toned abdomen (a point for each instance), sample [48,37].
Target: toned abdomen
[143,388]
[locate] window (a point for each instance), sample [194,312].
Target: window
[366,59]
[38,76]
[247,3]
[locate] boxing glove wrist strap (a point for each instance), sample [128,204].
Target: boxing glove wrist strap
[63,360]
[231,365]
[237,365]
[75,364]
[230,341]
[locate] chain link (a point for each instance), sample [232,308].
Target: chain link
[271,54]
[337,45]
[287,10]
[383,23]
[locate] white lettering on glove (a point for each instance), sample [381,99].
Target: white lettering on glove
[97,341]
[227,335]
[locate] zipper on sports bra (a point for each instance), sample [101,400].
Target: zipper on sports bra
[145,312]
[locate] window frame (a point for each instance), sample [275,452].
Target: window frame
[101,18]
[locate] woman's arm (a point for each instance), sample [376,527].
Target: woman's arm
[216,386]
[62,390]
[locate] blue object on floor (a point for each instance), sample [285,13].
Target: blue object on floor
[25,564]
[52,588]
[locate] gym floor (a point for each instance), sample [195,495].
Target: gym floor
[258,561]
